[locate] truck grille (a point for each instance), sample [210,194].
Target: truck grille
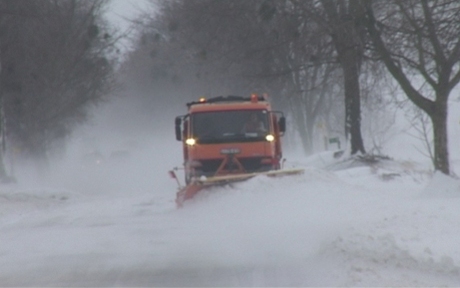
[209,167]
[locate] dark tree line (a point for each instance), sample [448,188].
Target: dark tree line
[239,47]
[307,54]
[54,57]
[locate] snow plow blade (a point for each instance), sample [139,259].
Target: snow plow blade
[189,191]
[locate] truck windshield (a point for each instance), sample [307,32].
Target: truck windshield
[230,126]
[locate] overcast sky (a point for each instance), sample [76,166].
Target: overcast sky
[121,10]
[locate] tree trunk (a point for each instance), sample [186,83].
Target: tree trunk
[350,66]
[441,151]
[348,43]
[3,173]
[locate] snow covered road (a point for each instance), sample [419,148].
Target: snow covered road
[360,226]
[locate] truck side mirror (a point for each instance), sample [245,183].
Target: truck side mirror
[178,123]
[282,124]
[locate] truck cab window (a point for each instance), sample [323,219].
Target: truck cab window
[228,126]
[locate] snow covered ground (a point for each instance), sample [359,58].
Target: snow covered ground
[342,223]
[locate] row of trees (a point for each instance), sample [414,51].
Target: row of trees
[309,54]
[55,62]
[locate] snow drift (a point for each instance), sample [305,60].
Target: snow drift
[342,223]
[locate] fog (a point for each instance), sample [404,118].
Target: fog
[102,211]
[124,146]
[135,142]
[116,224]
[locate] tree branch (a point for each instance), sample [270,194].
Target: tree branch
[439,53]
[422,102]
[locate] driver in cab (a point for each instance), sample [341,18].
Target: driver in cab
[254,125]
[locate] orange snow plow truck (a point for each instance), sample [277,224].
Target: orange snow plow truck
[229,139]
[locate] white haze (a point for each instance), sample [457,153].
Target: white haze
[116,224]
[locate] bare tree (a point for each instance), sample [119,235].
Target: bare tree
[54,56]
[338,22]
[241,47]
[419,44]
[299,69]
[343,27]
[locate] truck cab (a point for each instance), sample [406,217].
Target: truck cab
[230,135]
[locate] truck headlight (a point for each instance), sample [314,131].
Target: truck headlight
[190,141]
[270,138]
